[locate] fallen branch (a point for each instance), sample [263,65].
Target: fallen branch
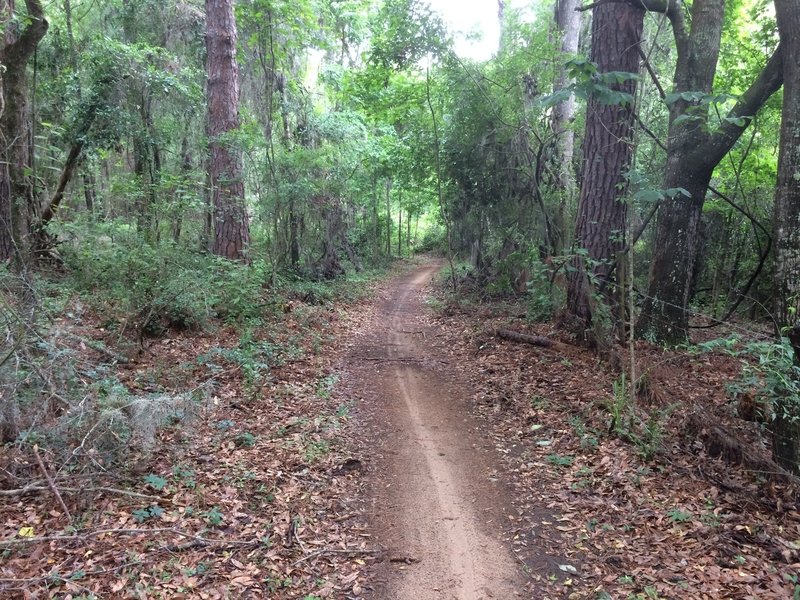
[50,483]
[533,340]
[346,552]
[38,487]
[720,443]
[98,347]
[87,535]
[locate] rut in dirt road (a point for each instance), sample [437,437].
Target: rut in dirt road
[436,507]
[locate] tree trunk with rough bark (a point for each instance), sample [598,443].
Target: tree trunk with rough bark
[607,153]
[17,200]
[231,223]
[786,426]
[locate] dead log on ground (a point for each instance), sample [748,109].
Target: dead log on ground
[533,340]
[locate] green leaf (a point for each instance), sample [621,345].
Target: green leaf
[155,482]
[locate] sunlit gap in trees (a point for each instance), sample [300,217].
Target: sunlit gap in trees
[475,24]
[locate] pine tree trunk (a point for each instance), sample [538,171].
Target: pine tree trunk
[231,224]
[607,152]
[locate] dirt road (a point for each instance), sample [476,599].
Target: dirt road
[436,506]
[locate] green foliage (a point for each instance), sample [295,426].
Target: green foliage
[140,515]
[245,440]
[156,482]
[589,82]
[148,289]
[559,460]
[645,433]
[677,515]
[214,517]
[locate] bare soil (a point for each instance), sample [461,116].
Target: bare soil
[437,504]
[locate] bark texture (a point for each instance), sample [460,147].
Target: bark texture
[17,198]
[607,152]
[786,425]
[231,224]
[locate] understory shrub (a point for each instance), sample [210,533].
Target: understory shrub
[149,288]
[51,395]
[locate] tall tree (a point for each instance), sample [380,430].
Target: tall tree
[17,196]
[786,426]
[694,149]
[231,223]
[568,24]
[607,153]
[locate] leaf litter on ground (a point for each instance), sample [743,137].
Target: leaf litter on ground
[253,497]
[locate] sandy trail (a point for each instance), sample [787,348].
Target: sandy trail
[436,505]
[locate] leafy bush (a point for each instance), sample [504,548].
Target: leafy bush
[50,396]
[150,288]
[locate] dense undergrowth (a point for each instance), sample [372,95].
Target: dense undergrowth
[69,332]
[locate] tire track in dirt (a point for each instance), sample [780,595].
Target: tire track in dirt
[436,505]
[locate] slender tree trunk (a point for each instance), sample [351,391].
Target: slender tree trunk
[400,231]
[408,233]
[389,216]
[607,153]
[568,24]
[231,224]
[294,237]
[786,426]
[89,189]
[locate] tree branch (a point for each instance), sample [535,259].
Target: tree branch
[769,81]
[21,49]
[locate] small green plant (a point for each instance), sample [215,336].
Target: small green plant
[325,385]
[315,449]
[156,482]
[559,461]
[245,440]
[646,434]
[185,476]
[587,437]
[539,402]
[711,519]
[677,515]
[140,515]
[214,517]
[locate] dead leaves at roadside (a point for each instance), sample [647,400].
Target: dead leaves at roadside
[632,528]
[252,498]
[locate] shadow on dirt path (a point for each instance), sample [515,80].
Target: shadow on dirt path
[437,506]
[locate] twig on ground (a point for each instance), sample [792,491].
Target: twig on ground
[346,552]
[85,536]
[50,483]
[37,487]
